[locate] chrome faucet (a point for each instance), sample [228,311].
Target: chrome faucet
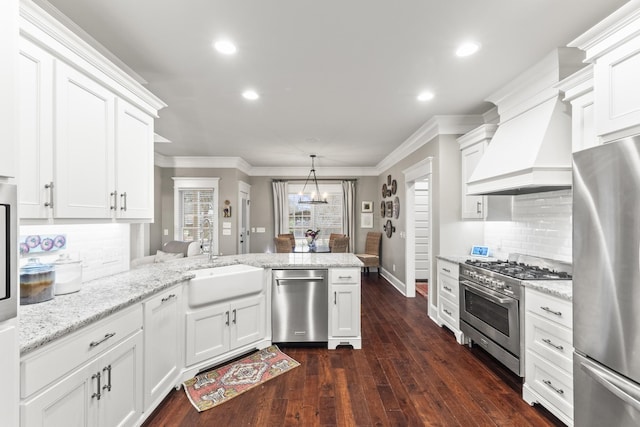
[209,246]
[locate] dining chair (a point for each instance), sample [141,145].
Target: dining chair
[291,237]
[371,255]
[333,237]
[283,244]
[340,244]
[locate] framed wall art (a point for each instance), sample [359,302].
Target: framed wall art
[367,206]
[366,220]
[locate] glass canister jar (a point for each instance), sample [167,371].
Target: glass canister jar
[36,282]
[68,275]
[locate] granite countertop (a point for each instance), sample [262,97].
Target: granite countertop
[47,321]
[559,288]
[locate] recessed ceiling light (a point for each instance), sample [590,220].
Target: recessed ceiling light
[467,49]
[425,96]
[225,47]
[250,94]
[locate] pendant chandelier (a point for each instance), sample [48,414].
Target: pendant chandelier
[315,198]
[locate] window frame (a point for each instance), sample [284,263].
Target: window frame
[196,183]
[334,188]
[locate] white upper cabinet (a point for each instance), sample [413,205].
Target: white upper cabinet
[613,46]
[35,123]
[8,81]
[84,145]
[134,162]
[578,90]
[472,148]
[86,129]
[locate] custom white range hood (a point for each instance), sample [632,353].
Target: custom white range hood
[531,149]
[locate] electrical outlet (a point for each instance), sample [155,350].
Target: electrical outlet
[165,232]
[393,267]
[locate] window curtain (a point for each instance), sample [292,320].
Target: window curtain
[280,207]
[348,211]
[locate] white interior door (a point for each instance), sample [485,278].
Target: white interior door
[421,207]
[243,219]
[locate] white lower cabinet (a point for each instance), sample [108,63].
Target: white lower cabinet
[103,390]
[163,334]
[549,354]
[449,297]
[344,308]
[220,328]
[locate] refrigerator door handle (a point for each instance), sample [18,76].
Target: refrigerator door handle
[618,386]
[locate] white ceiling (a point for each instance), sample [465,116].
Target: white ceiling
[338,78]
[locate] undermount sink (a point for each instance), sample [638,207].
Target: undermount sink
[221,283]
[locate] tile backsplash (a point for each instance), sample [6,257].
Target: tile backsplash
[541,226]
[103,248]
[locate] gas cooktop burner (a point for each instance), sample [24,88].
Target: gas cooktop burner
[520,271]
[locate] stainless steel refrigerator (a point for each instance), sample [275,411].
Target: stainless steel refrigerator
[606,284]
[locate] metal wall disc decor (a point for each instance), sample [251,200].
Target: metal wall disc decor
[396,207]
[384,190]
[389,228]
[394,186]
[389,209]
[389,180]
[383,212]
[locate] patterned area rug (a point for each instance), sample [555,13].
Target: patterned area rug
[214,387]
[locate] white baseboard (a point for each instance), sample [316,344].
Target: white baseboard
[395,282]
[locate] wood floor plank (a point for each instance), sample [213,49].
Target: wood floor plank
[409,372]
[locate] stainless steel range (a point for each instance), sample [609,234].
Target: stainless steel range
[491,300]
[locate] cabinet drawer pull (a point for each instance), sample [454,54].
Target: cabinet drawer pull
[227,322]
[106,337]
[478,207]
[344,277]
[548,310]
[448,289]
[447,311]
[49,187]
[549,342]
[551,386]
[234,316]
[167,298]
[335,298]
[97,394]
[107,386]
[446,270]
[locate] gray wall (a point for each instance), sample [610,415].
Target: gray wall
[449,234]
[261,206]
[228,190]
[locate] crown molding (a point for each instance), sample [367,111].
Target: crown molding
[46,26]
[437,125]
[202,162]
[611,32]
[324,172]
[536,84]
[481,133]
[577,84]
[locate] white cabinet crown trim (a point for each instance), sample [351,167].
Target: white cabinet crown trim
[36,22]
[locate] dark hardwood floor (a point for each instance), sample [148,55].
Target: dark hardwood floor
[409,372]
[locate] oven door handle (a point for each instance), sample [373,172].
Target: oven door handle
[486,293]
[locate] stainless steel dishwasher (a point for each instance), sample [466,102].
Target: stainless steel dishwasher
[299,306]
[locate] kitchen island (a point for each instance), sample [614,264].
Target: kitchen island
[147,330]
[47,321]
